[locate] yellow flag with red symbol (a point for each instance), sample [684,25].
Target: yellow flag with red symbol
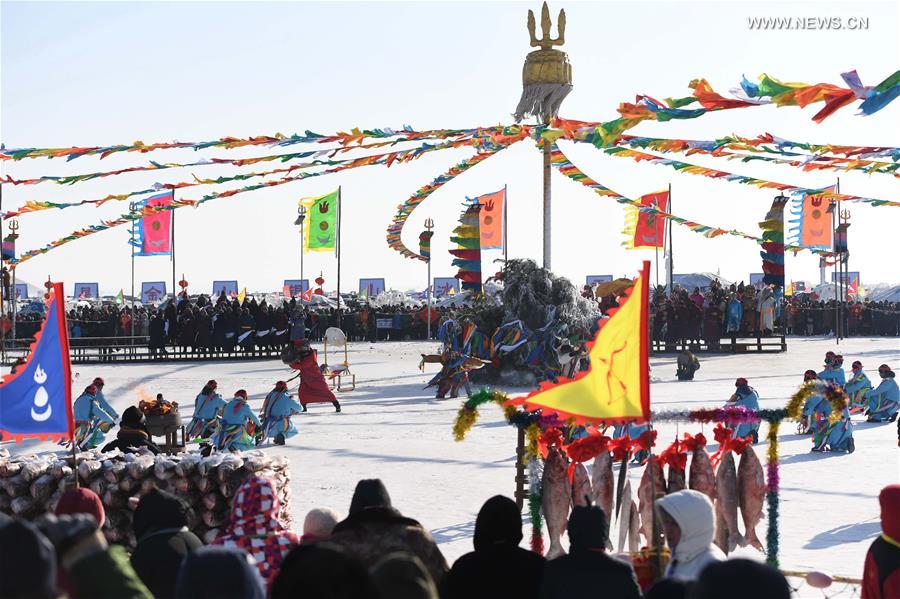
[616,386]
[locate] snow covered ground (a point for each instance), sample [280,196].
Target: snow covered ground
[394,430]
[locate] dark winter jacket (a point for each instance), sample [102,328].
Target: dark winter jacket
[107,575]
[374,532]
[484,573]
[128,440]
[163,540]
[587,563]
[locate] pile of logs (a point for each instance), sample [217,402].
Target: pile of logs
[31,485]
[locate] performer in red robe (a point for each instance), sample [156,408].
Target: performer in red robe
[313,388]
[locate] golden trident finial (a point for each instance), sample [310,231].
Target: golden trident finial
[546,42]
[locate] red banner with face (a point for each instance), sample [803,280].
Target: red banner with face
[650,229]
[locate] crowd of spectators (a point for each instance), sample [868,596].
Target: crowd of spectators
[379,552]
[224,325]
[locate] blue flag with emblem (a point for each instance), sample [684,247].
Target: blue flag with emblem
[36,401]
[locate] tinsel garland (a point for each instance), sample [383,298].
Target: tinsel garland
[534,506]
[833,393]
[773,478]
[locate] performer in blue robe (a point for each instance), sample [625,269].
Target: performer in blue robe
[746,396]
[207,408]
[276,413]
[92,422]
[101,399]
[734,313]
[839,435]
[238,427]
[857,387]
[808,419]
[884,401]
[834,370]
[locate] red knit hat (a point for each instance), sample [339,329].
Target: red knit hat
[240,393]
[91,389]
[281,386]
[810,375]
[99,381]
[212,383]
[889,498]
[740,382]
[81,500]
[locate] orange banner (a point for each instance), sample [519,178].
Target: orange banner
[491,219]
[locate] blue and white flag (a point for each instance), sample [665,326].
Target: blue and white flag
[36,401]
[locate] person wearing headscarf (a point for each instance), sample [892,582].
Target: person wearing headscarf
[834,369]
[99,383]
[587,565]
[745,396]
[884,401]
[207,408]
[857,387]
[740,579]
[132,434]
[219,573]
[374,528]
[238,427]
[484,573]
[163,540]
[276,413]
[324,571]
[92,422]
[689,523]
[881,573]
[313,388]
[254,525]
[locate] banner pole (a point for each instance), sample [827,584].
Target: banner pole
[835,206]
[174,295]
[338,249]
[132,206]
[505,227]
[63,331]
[670,278]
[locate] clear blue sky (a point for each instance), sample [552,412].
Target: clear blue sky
[102,73]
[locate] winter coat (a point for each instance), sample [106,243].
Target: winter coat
[163,540]
[374,532]
[254,526]
[87,409]
[313,388]
[129,439]
[569,575]
[107,575]
[484,572]
[219,573]
[881,573]
[693,512]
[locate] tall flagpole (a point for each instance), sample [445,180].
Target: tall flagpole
[505,229]
[337,246]
[429,225]
[670,263]
[174,295]
[132,206]
[835,208]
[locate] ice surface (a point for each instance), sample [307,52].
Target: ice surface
[394,430]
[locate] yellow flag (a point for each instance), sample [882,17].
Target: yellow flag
[242,295]
[616,386]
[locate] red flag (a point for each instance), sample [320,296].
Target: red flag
[307,295]
[647,230]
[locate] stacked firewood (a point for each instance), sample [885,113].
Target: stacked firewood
[31,485]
